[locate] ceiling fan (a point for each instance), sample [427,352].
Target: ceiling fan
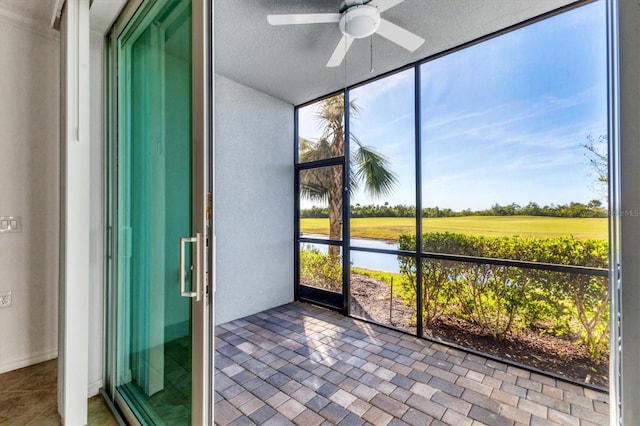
[356,19]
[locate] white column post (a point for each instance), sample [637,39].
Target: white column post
[75,179]
[629,83]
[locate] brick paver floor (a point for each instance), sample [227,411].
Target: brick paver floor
[300,364]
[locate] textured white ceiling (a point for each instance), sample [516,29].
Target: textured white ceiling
[288,62]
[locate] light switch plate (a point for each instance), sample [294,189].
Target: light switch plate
[5,299]
[10,224]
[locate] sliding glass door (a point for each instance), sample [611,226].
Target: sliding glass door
[158,216]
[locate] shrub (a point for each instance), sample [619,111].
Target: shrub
[438,276]
[503,299]
[320,270]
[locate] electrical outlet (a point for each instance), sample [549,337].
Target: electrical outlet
[10,224]
[5,299]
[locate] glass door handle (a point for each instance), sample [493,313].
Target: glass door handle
[183,242]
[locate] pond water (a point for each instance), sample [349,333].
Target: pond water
[362,259]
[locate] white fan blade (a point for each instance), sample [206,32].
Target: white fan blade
[341,50]
[383,5]
[304,18]
[399,35]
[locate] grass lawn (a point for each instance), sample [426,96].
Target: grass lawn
[388,228]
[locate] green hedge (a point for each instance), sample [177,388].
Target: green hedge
[503,299]
[320,270]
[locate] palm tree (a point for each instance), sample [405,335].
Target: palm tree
[368,167]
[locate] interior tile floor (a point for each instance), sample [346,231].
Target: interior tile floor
[300,364]
[28,396]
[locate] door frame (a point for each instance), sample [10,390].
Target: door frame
[202,202]
[329,299]
[336,301]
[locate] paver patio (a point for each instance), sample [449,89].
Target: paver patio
[301,364]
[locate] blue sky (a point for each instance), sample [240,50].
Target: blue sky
[502,121]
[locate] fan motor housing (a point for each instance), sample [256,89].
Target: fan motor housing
[359,21]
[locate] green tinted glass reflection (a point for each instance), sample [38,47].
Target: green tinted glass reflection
[154,212]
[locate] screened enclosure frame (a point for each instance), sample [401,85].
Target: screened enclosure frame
[418,255]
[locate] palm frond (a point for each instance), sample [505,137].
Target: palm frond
[372,169]
[314,192]
[315,184]
[368,167]
[309,150]
[354,109]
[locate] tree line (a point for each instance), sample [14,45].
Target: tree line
[593,209]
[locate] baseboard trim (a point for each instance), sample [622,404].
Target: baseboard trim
[94,387]
[27,361]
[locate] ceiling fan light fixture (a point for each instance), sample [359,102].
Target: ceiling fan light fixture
[355,20]
[360,21]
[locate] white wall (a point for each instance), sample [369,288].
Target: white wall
[29,187]
[253,201]
[629,13]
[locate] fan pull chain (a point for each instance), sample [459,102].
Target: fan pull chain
[346,42]
[371,45]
